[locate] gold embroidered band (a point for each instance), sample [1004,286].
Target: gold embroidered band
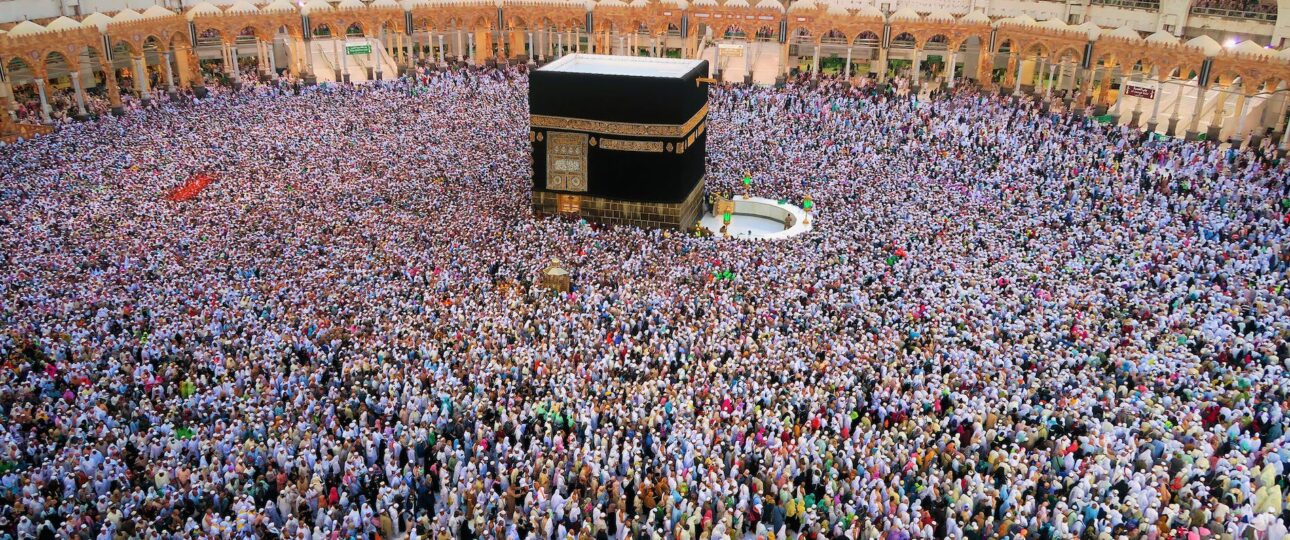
[631,146]
[619,128]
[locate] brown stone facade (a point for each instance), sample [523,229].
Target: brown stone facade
[680,215]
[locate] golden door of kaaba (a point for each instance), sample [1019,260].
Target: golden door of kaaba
[568,204]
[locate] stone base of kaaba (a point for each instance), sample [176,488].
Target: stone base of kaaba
[682,215]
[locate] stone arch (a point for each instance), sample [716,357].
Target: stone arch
[1036,48]
[57,65]
[1270,83]
[97,66]
[356,29]
[832,35]
[903,41]
[17,64]
[1105,59]
[867,38]
[323,30]
[126,46]
[936,42]
[210,36]
[1006,45]
[482,22]
[734,31]
[800,35]
[1069,51]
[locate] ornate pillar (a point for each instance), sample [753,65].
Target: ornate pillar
[848,71]
[1242,102]
[1119,96]
[169,73]
[518,44]
[311,66]
[984,67]
[1037,73]
[1173,117]
[1086,86]
[951,66]
[80,94]
[113,89]
[44,103]
[815,62]
[335,49]
[261,58]
[1016,77]
[344,61]
[1137,108]
[1104,87]
[270,48]
[141,77]
[1052,74]
[916,78]
[1216,120]
[1010,71]
[1155,103]
[1198,107]
[442,58]
[882,63]
[230,65]
[748,62]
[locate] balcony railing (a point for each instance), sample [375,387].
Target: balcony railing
[1235,14]
[1129,4]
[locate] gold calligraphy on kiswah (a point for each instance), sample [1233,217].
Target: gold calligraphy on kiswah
[631,146]
[626,129]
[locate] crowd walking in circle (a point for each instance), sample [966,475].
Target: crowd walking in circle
[1005,324]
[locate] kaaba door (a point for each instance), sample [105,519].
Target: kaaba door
[568,204]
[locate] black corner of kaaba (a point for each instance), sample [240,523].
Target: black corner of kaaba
[623,149]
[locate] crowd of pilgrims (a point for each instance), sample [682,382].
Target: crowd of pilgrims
[1005,324]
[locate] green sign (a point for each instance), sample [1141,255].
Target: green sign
[358,49]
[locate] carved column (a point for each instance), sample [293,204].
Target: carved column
[80,94]
[517,44]
[815,62]
[113,90]
[1173,117]
[1052,74]
[1086,86]
[1242,102]
[1016,77]
[1010,76]
[165,69]
[1216,120]
[882,64]
[951,66]
[1155,103]
[141,77]
[1104,88]
[984,68]
[44,103]
[916,81]
[1198,107]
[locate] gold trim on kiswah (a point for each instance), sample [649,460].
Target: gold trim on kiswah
[619,128]
[631,146]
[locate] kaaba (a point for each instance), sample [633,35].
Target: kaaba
[619,139]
